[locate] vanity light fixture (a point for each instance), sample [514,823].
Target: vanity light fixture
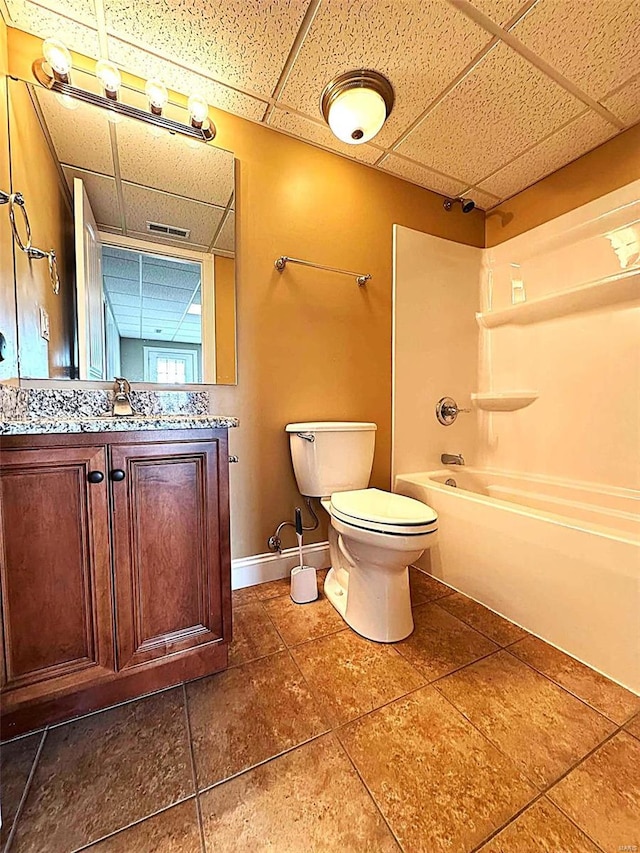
[58,59]
[108,74]
[53,71]
[356,104]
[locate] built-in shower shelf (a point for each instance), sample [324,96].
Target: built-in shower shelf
[621,287]
[503,401]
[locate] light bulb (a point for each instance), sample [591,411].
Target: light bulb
[58,57]
[356,115]
[198,110]
[108,74]
[157,94]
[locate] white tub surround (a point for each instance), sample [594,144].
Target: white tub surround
[561,559]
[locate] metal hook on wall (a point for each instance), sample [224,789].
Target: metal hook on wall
[17,200]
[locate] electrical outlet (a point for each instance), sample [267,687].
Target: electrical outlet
[44,323]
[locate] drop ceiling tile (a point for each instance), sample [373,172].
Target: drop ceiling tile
[578,137]
[128,287]
[483,200]
[80,136]
[625,102]
[595,44]
[419,47]
[143,204]
[238,43]
[103,196]
[170,163]
[79,10]
[140,62]
[44,23]
[496,113]
[167,241]
[498,10]
[226,240]
[319,133]
[422,176]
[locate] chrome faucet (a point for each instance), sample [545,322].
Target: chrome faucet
[452,459]
[122,407]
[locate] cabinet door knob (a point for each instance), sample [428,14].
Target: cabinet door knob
[117,475]
[95,476]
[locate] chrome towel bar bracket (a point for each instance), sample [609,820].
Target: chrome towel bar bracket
[283,260]
[17,200]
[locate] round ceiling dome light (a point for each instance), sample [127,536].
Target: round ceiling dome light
[355,105]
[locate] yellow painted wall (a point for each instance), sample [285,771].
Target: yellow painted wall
[608,167]
[311,345]
[8,367]
[225,294]
[34,173]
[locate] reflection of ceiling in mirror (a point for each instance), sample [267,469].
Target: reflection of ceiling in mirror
[135,174]
[152,297]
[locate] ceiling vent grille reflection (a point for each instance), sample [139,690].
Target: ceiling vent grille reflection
[168,230]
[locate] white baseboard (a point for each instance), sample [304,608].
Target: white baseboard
[260,568]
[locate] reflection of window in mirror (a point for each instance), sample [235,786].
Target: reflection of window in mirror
[154,315]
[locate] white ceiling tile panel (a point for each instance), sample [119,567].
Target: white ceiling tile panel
[595,43]
[584,133]
[625,102]
[226,239]
[79,10]
[80,136]
[124,286]
[314,131]
[422,176]
[142,203]
[242,44]
[171,294]
[492,116]
[181,276]
[103,197]
[419,46]
[123,300]
[498,10]
[44,23]
[168,163]
[483,200]
[146,65]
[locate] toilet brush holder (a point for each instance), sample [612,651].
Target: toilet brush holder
[304,584]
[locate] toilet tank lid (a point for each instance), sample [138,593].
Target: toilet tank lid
[332,426]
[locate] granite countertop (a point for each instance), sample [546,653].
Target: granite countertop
[60,424]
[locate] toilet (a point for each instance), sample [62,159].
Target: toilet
[373,535]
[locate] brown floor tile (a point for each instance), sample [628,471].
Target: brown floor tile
[272,589]
[500,630]
[351,676]
[243,596]
[102,772]
[602,795]
[544,729]
[248,714]
[441,643]
[424,587]
[309,799]
[540,829]
[593,688]
[253,634]
[16,761]
[175,830]
[633,727]
[439,783]
[298,623]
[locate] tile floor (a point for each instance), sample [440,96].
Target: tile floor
[471,735]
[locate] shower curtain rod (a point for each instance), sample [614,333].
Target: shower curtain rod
[281,263]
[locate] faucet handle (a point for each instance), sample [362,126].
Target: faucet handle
[121,385]
[447,410]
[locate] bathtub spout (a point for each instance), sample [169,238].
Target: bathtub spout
[452,459]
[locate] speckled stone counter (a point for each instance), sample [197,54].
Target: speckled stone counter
[38,411]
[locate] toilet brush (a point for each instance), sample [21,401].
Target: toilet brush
[304,584]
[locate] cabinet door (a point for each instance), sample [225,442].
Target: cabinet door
[55,572]
[167,548]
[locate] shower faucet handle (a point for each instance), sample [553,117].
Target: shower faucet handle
[447,410]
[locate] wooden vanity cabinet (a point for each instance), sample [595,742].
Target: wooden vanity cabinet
[115,572]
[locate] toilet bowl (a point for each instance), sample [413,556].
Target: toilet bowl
[374,535]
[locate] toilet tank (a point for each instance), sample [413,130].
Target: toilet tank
[331,456]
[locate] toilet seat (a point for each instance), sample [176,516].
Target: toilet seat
[383,512]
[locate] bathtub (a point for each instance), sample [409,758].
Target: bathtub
[560,559]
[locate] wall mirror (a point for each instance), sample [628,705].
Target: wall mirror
[142,224]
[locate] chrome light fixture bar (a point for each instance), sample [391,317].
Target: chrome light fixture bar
[206,132]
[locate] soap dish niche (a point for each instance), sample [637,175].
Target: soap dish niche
[503,401]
